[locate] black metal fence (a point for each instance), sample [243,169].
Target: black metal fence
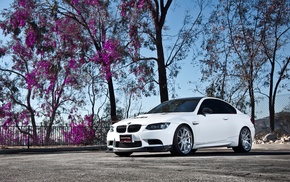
[11,135]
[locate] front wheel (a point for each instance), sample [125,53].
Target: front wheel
[245,141]
[182,141]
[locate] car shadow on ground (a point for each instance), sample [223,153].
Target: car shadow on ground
[216,153]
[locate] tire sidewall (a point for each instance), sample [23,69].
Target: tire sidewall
[243,149]
[175,148]
[240,148]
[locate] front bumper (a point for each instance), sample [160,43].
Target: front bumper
[142,149]
[142,141]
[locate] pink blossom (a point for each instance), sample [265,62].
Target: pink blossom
[31,80]
[57,24]
[89,119]
[5,110]
[82,61]
[75,1]
[50,88]
[73,64]
[79,133]
[24,117]
[7,106]
[108,73]
[140,4]
[19,49]
[44,65]
[93,2]
[2,51]
[108,55]
[92,26]
[22,3]
[8,122]
[69,80]
[18,19]
[123,9]
[30,39]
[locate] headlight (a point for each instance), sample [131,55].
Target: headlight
[112,128]
[157,126]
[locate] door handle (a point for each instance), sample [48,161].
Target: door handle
[226,118]
[195,123]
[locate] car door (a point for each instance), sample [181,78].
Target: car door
[213,123]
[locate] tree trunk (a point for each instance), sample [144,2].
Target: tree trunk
[162,81]
[274,89]
[112,100]
[51,119]
[253,104]
[93,101]
[33,122]
[159,20]
[162,77]
[271,97]
[34,130]
[251,88]
[272,113]
[48,129]
[252,93]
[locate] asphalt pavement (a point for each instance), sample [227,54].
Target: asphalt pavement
[53,149]
[266,162]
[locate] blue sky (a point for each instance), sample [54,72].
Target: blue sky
[188,73]
[5,3]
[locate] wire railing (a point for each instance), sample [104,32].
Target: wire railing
[11,135]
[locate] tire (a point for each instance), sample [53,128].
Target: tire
[245,141]
[193,151]
[182,141]
[123,154]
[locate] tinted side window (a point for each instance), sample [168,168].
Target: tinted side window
[217,106]
[228,109]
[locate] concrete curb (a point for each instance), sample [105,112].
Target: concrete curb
[272,146]
[52,149]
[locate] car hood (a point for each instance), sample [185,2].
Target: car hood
[146,119]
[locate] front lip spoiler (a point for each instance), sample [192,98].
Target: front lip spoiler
[165,148]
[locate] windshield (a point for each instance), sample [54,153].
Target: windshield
[178,105]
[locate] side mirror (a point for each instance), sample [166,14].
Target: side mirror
[207,110]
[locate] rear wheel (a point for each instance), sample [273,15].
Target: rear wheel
[182,141]
[123,154]
[245,141]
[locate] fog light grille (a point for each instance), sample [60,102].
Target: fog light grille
[155,142]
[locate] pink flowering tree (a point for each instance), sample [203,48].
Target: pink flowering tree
[100,22]
[42,76]
[13,73]
[80,131]
[58,47]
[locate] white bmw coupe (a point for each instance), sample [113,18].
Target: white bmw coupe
[182,126]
